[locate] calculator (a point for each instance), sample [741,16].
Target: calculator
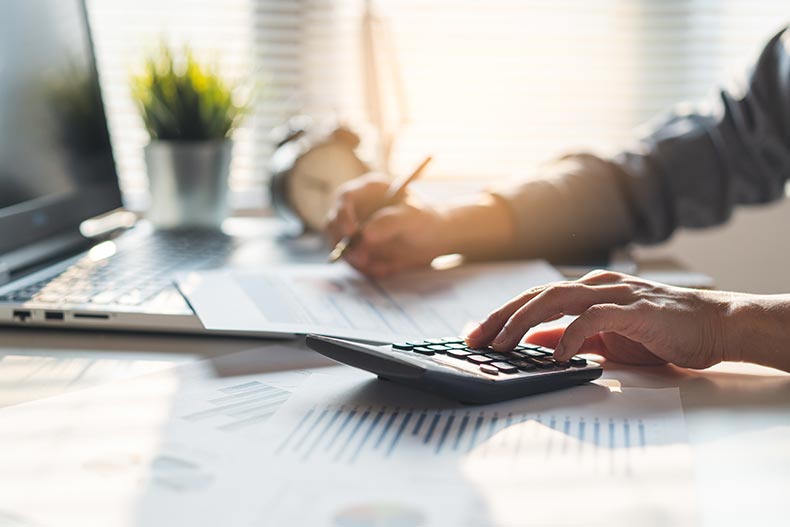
[449,367]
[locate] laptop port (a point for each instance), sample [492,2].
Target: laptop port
[53,315]
[22,314]
[92,316]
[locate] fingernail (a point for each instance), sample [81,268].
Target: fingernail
[475,333]
[559,351]
[500,338]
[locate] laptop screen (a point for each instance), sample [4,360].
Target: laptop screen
[56,164]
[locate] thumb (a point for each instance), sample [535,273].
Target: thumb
[545,337]
[551,337]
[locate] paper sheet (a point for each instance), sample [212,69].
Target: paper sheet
[149,451]
[336,300]
[385,453]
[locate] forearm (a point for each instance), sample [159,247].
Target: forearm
[758,330]
[577,212]
[479,227]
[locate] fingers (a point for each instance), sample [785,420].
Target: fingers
[600,318]
[490,327]
[548,337]
[354,202]
[345,222]
[485,332]
[569,298]
[391,223]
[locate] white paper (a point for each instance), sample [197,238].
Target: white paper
[336,300]
[380,451]
[155,450]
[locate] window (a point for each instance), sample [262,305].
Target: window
[490,87]
[245,39]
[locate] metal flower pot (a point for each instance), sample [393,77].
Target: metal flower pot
[188,182]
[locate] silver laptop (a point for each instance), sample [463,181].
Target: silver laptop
[56,171]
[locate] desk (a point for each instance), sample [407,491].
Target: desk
[738,415]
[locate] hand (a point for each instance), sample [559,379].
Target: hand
[396,238]
[624,318]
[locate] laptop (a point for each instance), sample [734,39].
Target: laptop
[57,171]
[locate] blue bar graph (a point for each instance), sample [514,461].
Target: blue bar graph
[351,434]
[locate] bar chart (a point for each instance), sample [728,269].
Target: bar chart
[346,434]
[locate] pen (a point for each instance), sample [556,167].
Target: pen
[395,193]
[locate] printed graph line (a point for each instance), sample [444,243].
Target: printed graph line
[339,431]
[295,430]
[398,435]
[380,440]
[323,433]
[310,429]
[354,430]
[445,431]
[350,434]
[432,428]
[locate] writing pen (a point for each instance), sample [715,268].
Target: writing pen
[395,193]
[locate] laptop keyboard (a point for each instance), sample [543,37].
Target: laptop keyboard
[131,276]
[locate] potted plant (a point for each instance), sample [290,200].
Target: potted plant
[190,113]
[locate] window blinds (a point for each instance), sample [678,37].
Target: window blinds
[491,87]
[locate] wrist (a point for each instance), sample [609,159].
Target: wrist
[757,330]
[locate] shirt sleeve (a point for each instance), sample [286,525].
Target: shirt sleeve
[691,170]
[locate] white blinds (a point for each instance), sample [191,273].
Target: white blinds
[493,87]
[496,86]
[246,39]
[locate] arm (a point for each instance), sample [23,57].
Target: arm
[691,171]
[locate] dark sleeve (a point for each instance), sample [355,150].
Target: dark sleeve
[690,171]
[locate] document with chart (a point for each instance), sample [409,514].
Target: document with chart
[152,450]
[336,300]
[378,448]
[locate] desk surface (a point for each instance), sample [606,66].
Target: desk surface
[738,415]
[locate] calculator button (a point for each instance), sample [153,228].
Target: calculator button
[423,350]
[439,348]
[543,364]
[402,346]
[453,340]
[478,359]
[434,341]
[504,367]
[498,356]
[578,362]
[523,365]
[487,368]
[535,353]
[456,346]
[417,343]
[459,354]
[562,365]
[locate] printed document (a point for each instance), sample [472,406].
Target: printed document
[379,452]
[338,301]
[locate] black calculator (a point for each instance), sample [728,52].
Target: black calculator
[449,367]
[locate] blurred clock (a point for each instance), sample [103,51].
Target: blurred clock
[306,168]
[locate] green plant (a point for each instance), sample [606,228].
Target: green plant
[184,100]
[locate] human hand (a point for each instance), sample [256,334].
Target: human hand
[393,239]
[624,318]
